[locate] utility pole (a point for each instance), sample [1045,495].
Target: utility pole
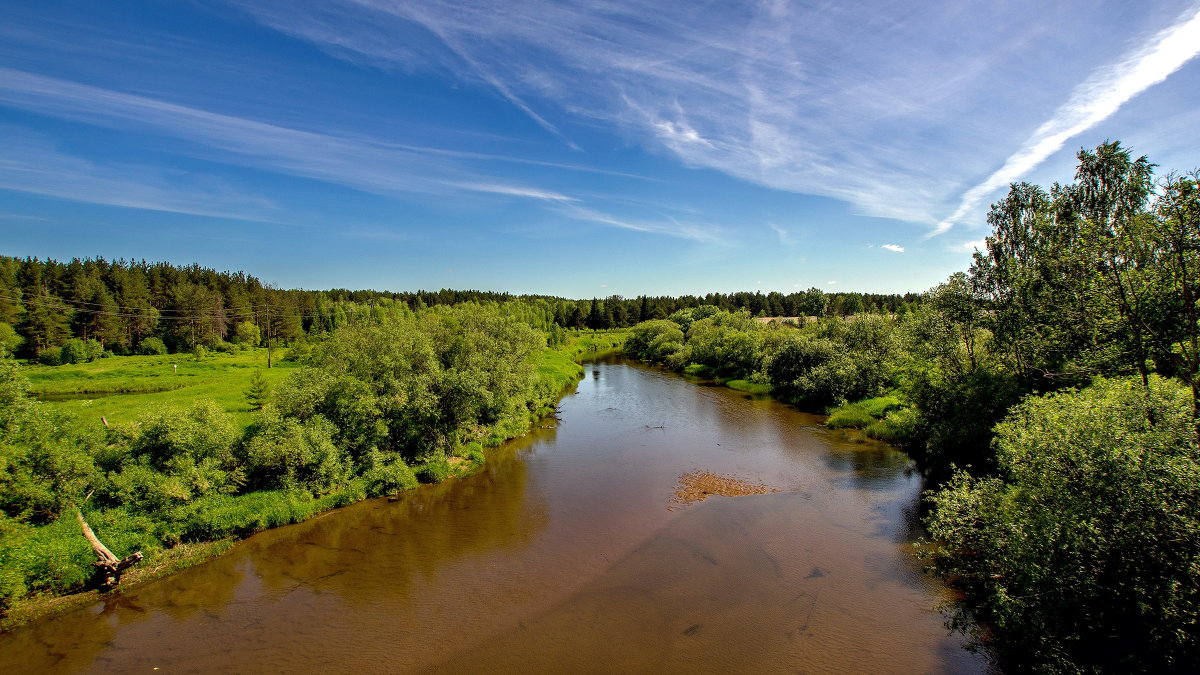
[268,310]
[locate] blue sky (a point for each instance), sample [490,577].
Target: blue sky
[572,148]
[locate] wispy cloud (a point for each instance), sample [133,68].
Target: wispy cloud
[797,98]
[361,164]
[786,238]
[517,191]
[893,247]
[671,227]
[31,163]
[1092,102]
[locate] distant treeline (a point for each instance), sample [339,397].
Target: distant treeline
[128,307]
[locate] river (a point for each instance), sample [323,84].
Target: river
[565,555]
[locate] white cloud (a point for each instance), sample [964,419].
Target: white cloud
[1094,100]
[362,164]
[31,163]
[882,108]
[893,247]
[670,227]
[786,238]
[969,246]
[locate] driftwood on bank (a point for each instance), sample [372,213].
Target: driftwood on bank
[108,566]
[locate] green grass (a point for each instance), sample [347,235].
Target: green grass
[748,386]
[878,407]
[849,416]
[864,413]
[129,385]
[594,342]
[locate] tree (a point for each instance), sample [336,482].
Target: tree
[1177,226]
[247,334]
[1082,554]
[259,391]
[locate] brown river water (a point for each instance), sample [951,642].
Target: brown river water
[565,555]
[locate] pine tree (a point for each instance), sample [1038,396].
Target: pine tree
[259,391]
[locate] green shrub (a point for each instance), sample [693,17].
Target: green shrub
[290,454]
[50,356]
[1085,552]
[10,341]
[386,473]
[80,351]
[152,346]
[224,347]
[435,471]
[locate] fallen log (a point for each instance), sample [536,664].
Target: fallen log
[109,567]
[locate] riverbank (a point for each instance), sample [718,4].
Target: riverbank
[562,550]
[556,371]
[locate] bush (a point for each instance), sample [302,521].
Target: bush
[224,347]
[435,471]
[10,341]
[1083,556]
[386,473]
[80,351]
[50,356]
[152,346]
[289,454]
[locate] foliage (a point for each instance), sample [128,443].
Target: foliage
[284,453]
[152,346]
[435,471]
[80,351]
[259,391]
[247,334]
[1084,551]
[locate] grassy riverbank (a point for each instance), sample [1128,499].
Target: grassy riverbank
[44,567]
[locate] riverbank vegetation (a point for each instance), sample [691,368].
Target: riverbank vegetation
[1052,395]
[372,409]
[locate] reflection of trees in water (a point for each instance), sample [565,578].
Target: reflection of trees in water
[363,553]
[869,465]
[78,640]
[374,550]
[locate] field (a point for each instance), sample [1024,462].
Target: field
[122,388]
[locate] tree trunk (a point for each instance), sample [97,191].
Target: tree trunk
[109,567]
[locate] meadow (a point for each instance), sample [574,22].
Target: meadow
[122,388]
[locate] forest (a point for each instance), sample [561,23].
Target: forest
[1050,394]
[92,307]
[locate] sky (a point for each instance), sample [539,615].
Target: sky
[574,148]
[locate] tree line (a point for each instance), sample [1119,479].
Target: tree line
[1052,394]
[94,306]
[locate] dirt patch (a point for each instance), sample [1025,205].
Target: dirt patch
[695,486]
